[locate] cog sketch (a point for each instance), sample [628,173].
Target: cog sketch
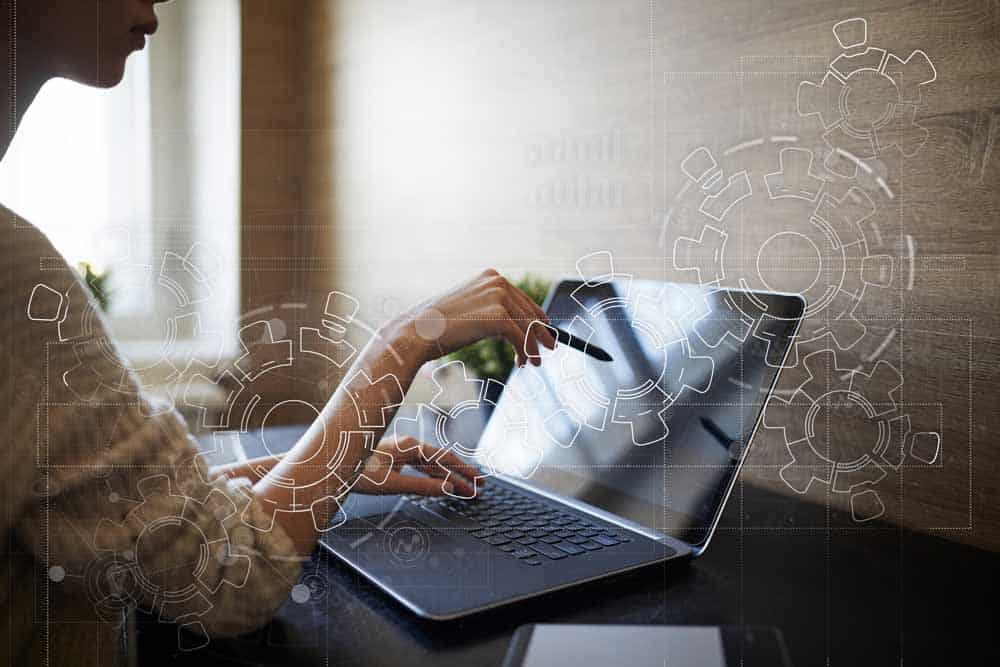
[867,100]
[833,244]
[180,286]
[654,315]
[863,411]
[312,358]
[122,577]
[439,422]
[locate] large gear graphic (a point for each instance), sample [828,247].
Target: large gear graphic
[834,244]
[123,578]
[867,100]
[181,282]
[654,313]
[436,421]
[276,343]
[826,397]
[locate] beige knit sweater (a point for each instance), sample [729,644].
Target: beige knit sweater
[104,501]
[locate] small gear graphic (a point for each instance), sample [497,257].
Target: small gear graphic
[180,286]
[834,244]
[867,100]
[654,313]
[163,515]
[826,398]
[438,422]
[111,586]
[276,343]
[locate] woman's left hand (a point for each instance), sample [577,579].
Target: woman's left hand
[428,459]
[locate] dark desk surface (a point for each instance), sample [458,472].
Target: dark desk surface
[847,595]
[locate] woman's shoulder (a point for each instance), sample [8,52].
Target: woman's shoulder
[30,259]
[20,235]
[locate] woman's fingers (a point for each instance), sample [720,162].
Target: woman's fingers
[454,464]
[421,486]
[522,311]
[535,312]
[513,334]
[529,340]
[438,465]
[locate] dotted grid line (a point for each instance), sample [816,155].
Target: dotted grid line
[741,541]
[971,336]
[652,216]
[47,500]
[751,404]
[902,369]
[885,528]
[543,466]
[12,110]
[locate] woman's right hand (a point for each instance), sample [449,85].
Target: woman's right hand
[488,306]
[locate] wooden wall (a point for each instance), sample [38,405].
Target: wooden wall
[523,135]
[287,121]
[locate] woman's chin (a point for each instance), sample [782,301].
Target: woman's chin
[111,73]
[108,73]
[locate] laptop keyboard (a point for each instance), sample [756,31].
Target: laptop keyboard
[524,526]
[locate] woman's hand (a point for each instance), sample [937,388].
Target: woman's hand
[488,306]
[430,460]
[387,470]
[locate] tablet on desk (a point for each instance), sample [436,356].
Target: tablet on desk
[644,646]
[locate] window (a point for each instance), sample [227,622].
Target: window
[143,180]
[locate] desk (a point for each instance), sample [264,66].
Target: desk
[912,599]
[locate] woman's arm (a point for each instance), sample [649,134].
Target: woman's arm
[486,306]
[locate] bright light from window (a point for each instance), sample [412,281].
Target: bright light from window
[79,167]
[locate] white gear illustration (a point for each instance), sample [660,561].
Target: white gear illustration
[442,412]
[830,247]
[654,316]
[185,283]
[890,90]
[126,578]
[269,348]
[824,387]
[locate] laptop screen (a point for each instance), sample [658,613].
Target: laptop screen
[657,435]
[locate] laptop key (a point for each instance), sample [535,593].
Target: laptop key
[564,533]
[513,534]
[526,540]
[508,547]
[458,520]
[523,552]
[576,539]
[496,540]
[483,534]
[569,548]
[589,545]
[548,550]
[551,539]
[531,561]
[605,540]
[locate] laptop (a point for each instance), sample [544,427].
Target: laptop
[595,468]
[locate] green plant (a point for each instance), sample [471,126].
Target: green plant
[97,282]
[493,358]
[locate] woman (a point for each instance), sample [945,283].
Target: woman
[62,453]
